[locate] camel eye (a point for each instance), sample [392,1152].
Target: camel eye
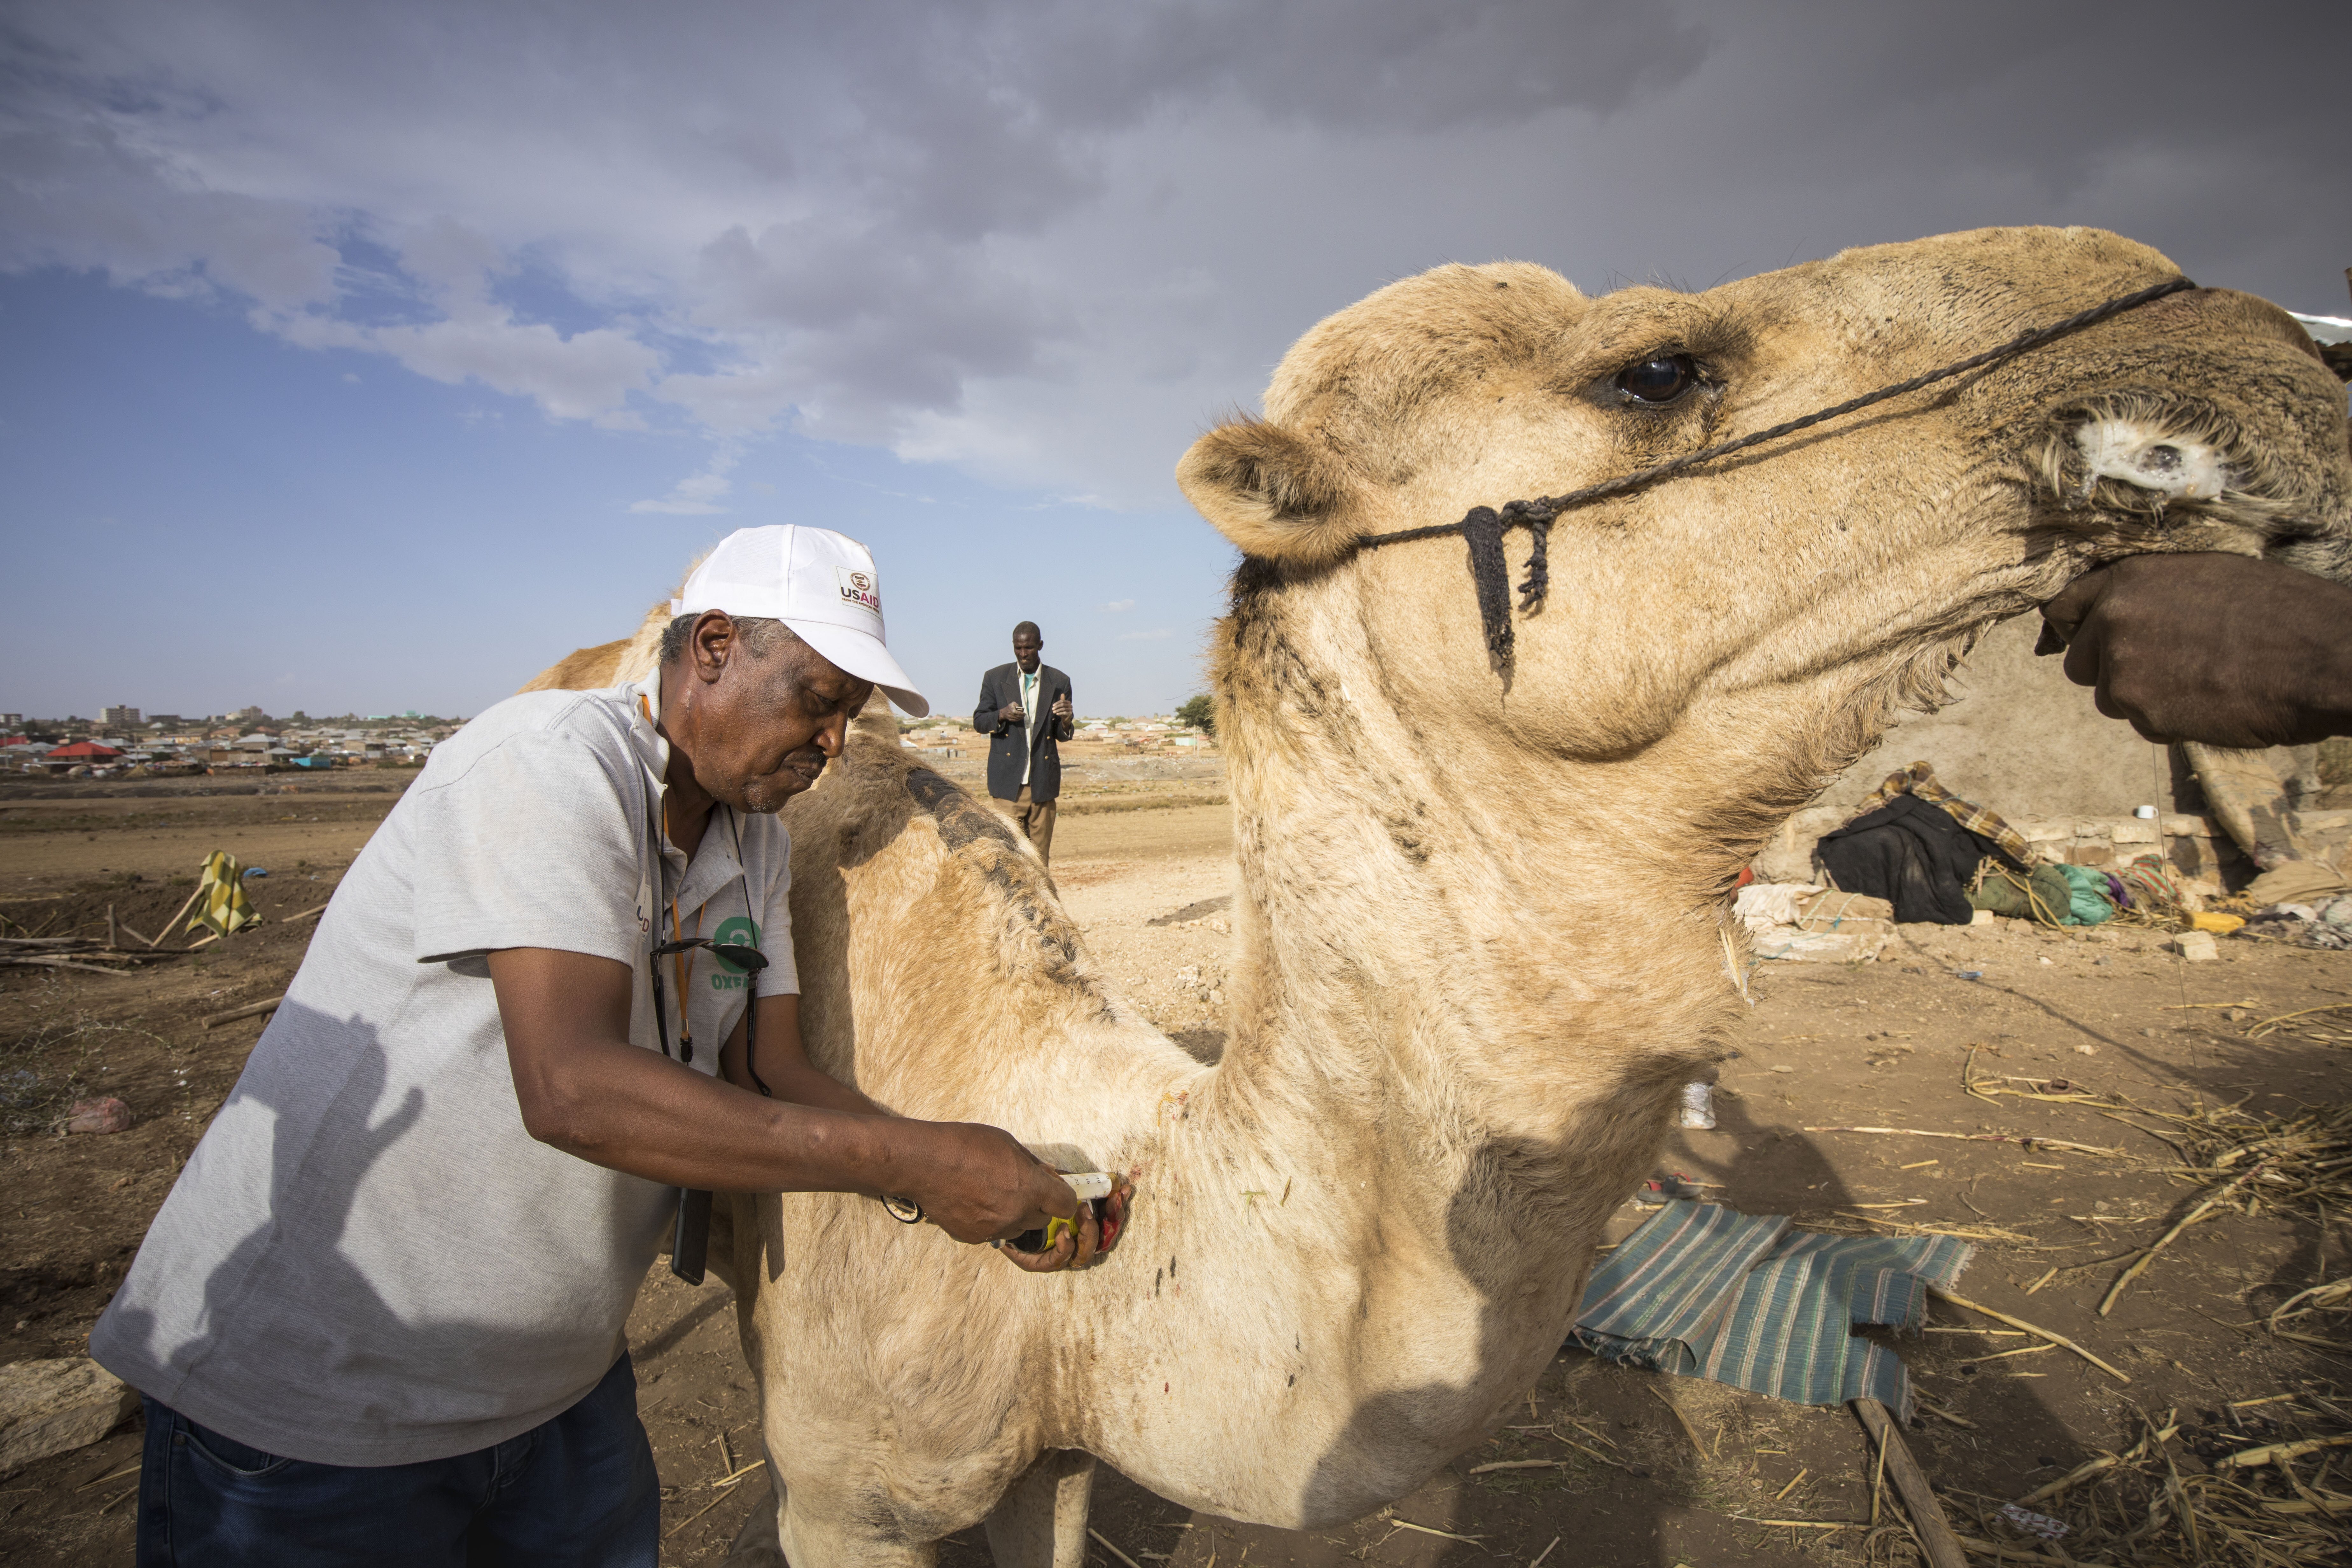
[1661,378]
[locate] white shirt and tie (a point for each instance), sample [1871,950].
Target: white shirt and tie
[1029,716]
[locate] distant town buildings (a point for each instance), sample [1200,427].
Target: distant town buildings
[119,745]
[948,735]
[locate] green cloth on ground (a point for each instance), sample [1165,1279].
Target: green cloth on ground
[2004,894]
[1702,1290]
[2090,904]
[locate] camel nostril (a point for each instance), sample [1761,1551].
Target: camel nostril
[2143,454]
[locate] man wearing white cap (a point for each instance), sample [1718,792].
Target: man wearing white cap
[379,1320]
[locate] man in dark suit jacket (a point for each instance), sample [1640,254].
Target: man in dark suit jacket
[1025,707]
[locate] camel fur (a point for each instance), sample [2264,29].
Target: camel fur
[1481,928]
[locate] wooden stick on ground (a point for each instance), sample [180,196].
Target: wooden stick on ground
[2271,1452]
[165,928]
[1935,1532]
[305,915]
[2099,1466]
[2191,1217]
[2056,1339]
[2027,1139]
[234,1014]
[1113,1551]
[47,962]
[1684,1422]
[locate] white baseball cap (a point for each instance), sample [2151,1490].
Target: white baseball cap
[821,584]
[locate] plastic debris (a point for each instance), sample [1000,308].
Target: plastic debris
[107,1115]
[2034,1524]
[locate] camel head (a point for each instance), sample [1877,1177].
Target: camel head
[1780,605]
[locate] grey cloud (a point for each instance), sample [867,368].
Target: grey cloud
[1352,65]
[1047,241]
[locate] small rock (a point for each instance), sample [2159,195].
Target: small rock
[55,1406]
[2236,1014]
[108,1115]
[2087,1050]
[2196,946]
[1784,1069]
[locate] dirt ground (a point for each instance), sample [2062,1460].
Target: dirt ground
[1650,1470]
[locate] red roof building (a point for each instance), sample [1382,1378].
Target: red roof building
[81,752]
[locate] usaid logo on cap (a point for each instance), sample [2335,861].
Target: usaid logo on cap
[860,588]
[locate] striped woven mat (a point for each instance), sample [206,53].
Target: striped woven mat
[1702,1290]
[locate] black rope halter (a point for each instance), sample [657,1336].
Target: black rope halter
[1481,526]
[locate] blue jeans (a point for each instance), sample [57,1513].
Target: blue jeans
[577,1490]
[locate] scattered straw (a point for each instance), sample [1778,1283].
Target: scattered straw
[2252,1162]
[1104,1542]
[2335,1297]
[2278,1504]
[2329,1025]
[2147,1256]
[2027,1141]
[2054,1338]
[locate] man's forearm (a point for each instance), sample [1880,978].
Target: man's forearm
[789,1076]
[620,1107]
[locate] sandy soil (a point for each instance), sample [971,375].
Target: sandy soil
[1654,1470]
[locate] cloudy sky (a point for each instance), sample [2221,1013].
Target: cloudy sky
[371,357]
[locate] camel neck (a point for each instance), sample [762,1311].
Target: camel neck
[1472,960]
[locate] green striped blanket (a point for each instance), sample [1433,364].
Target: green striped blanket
[1705,1291]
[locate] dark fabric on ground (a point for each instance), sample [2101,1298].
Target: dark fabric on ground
[1911,854]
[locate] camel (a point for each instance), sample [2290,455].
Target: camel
[1481,921]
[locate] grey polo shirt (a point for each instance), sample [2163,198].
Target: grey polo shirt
[368,1260]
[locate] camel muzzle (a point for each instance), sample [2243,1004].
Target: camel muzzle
[2160,459]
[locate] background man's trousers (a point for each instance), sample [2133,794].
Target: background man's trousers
[1036,820]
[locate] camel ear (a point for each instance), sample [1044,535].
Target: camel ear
[1277,496]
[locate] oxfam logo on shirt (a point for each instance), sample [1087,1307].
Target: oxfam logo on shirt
[737,931]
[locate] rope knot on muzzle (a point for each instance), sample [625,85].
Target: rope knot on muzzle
[1482,528]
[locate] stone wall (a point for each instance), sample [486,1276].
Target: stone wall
[2195,845]
[2022,739]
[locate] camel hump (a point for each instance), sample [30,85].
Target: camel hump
[865,803]
[627,659]
[875,722]
[582,669]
